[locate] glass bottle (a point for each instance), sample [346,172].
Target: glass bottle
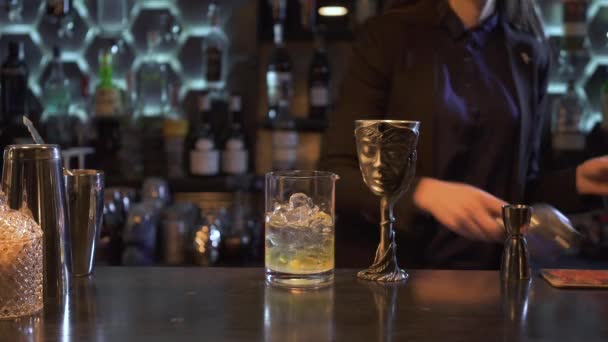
[278,75]
[284,141]
[13,85]
[319,78]
[152,85]
[215,51]
[20,262]
[175,129]
[57,98]
[204,156]
[112,15]
[108,99]
[108,111]
[235,157]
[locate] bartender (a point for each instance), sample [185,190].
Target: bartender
[474,73]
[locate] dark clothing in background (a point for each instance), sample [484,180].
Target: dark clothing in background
[479,96]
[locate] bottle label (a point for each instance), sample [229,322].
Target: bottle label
[285,139]
[279,87]
[107,102]
[204,163]
[214,64]
[319,96]
[235,161]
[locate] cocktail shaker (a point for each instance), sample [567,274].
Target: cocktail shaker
[32,175]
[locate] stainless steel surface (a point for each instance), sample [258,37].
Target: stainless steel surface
[32,175]
[33,131]
[387,158]
[550,234]
[515,258]
[84,189]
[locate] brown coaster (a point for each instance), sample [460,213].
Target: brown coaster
[576,278]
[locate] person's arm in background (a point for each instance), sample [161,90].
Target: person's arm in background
[567,189]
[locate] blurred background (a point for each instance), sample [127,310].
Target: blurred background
[185,104]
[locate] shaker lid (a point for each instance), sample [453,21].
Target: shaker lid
[32,152]
[17,225]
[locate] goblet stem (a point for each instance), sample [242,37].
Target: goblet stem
[385,266]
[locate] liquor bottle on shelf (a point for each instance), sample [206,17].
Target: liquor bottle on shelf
[59,126]
[568,131]
[175,129]
[319,79]
[108,113]
[112,15]
[108,98]
[215,51]
[284,141]
[14,75]
[204,155]
[235,157]
[279,79]
[152,85]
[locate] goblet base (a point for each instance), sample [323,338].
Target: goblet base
[388,275]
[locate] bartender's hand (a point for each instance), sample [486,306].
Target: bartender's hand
[462,208]
[592,177]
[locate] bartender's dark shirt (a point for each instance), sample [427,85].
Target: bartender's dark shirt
[477,122]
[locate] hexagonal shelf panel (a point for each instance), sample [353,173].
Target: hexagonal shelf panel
[571,66]
[551,11]
[156,30]
[33,54]
[593,85]
[598,31]
[110,16]
[191,58]
[69,34]
[18,12]
[73,74]
[154,82]
[124,55]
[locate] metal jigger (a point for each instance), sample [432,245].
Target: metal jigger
[515,257]
[387,158]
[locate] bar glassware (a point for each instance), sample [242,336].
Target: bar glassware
[300,228]
[84,190]
[387,158]
[20,262]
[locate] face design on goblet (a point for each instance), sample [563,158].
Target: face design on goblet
[387,155]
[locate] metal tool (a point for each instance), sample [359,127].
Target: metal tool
[33,175]
[515,258]
[84,190]
[550,233]
[387,158]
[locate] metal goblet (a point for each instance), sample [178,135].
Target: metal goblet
[387,158]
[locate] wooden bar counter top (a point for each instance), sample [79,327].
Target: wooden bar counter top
[235,304]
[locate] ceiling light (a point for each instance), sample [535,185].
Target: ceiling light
[333,11]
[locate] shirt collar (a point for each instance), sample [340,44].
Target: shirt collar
[450,21]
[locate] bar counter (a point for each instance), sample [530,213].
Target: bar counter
[221,304]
